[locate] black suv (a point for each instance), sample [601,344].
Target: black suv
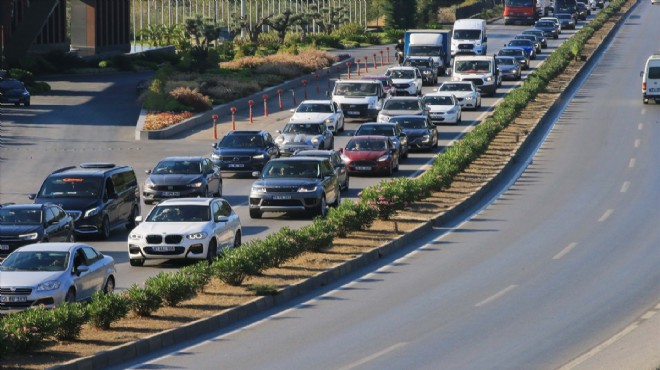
[181,177]
[295,184]
[426,66]
[244,151]
[99,196]
[22,224]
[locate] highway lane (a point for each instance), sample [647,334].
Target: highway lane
[547,276]
[92,118]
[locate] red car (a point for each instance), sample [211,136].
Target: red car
[370,155]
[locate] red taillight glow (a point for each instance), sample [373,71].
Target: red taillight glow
[643,86]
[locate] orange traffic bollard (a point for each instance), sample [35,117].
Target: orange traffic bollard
[357,61]
[250,104]
[265,97]
[366,64]
[215,131]
[375,65]
[348,64]
[388,54]
[304,83]
[279,96]
[233,115]
[381,58]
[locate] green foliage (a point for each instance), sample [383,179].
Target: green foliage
[27,330]
[390,196]
[38,87]
[401,14]
[173,288]
[199,274]
[316,236]
[143,300]
[238,263]
[22,75]
[192,98]
[70,318]
[104,309]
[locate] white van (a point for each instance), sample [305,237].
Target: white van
[480,69]
[359,98]
[651,79]
[469,37]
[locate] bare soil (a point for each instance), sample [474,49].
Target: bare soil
[218,296]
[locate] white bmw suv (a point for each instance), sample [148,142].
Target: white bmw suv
[185,228]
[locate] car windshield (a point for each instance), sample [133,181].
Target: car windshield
[356,89]
[302,128]
[472,66]
[242,141]
[401,73]
[564,16]
[401,105]
[35,261]
[17,216]
[506,61]
[299,169]
[455,87]
[520,42]
[410,123]
[314,108]
[71,187]
[418,63]
[179,213]
[425,50]
[375,130]
[510,52]
[366,145]
[545,24]
[438,100]
[527,37]
[467,34]
[10,84]
[178,167]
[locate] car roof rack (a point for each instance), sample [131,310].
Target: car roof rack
[97,165]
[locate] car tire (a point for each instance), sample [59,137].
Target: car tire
[212,251]
[27,103]
[71,238]
[255,213]
[237,239]
[218,194]
[136,262]
[109,286]
[207,193]
[337,199]
[70,296]
[105,228]
[130,224]
[459,120]
[347,182]
[322,208]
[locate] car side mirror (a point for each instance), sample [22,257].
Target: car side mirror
[278,131]
[214,145]
[340,150]
[32,196]
[292,110]
[222,219]
[80,269]
[485,38]
[148,172]
[138,220]
[255,174]
[403,134]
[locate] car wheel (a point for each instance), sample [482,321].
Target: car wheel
[212,251]
[322,208]
[105,228]
[70,296]
[346,183]
[136,262]
[71,238]
[218,193]
[27,103]
[459,120]
[237,239]
[255,213]
[390,169]
[338,198]
[130,224]
[207,193]
[109,285]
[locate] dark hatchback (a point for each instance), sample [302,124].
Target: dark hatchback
[243,152]
[181,177]
[549,28]
[421,133]
[14,92]
[22,224]
[295,184]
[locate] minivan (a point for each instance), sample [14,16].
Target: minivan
[99,196]
[469,37]
[651,79]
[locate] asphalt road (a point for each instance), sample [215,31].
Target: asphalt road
[558,272]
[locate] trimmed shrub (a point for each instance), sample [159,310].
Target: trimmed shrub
[26,331]
[69,318]
[316,236]
[238,263]
[143,301]
[191,98]
[199,274]
[173,288]
[104,309]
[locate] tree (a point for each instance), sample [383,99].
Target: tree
[331,18]
[282,22]
[401,14]
[202,32]
[253,30]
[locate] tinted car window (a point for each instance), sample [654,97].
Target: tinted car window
[292,169]
[303,128]
[242,141]
[178,167]
[71,187]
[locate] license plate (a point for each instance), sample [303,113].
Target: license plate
[353,112]
[280,197]
[171,193]
[363,168]
[4,247]
[654,89]
[235,165]
[164,249]
[13,299]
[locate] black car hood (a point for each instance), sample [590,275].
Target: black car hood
[286,182]
[415,131]
[13,230]
[72,204]
[174,179]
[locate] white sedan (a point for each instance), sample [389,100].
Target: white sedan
[319,111]
[467,94]
[443,107]
[185,228]
[47,274]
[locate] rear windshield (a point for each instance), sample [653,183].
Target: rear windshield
[356,89]
[654,73]
[71,187]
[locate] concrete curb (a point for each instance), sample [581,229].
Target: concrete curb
[142,347]
[223,109]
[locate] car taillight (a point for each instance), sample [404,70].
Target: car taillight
[643,86]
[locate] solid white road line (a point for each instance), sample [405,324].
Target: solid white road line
[372,357]
[605,215]
[496,295]
[564,251]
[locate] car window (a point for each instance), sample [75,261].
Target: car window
[301,169]
[11,216]
[51,216]
[303,128]
[437,100]
[225,208]
[315,108]
[90,255]
[327,168]
[179,167]
[376,130]
[366,145]
[35,261]
[411,123]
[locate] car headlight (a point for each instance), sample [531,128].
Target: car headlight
[426,138]
[345,158]
[258,156]
[25,93]
[30,236]
[315,140]
[279,140]
[197,184]
[135,236]
[328,121]
[307,189]
[149,184]
[92,212]
[258,189]
[48,285]
[489,78]
[427,72]
[469,97]
[216,157]
[197,236]
[384,158]
[384,118]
